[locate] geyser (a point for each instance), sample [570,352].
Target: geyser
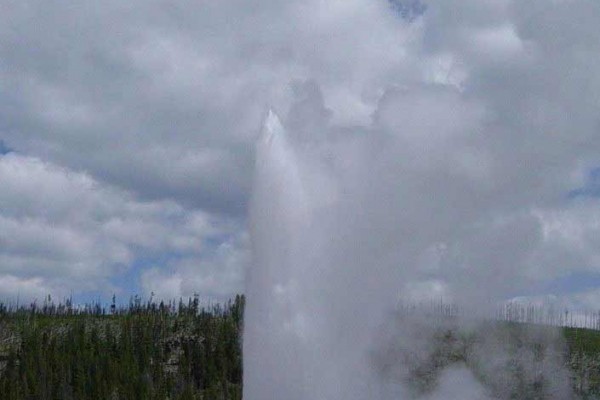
[308,320]
[343,227]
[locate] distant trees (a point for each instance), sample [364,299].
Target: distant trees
[182,350]
[144,351]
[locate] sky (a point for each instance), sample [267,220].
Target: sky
[127,136]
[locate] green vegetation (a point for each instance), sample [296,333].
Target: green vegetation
[181,350]
[511,360]
[584,360]
[144,351]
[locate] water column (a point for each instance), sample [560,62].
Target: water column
[274,351]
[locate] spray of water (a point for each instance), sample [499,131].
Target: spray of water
[336,244]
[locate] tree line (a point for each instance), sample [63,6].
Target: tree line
[175,351]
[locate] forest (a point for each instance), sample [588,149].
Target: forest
[185,350]
[178,351]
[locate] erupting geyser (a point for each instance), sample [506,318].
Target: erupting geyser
[273,351]
[306,330]
[342,228]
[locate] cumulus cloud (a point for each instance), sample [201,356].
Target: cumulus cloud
[15,288]
[472,121]
[61,230]
[213,274]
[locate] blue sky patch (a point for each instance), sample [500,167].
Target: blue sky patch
[591,187]
[571,283]
[408,9]
[4,149]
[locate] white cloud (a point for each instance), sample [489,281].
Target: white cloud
[136,122]
[61,230]
[23,290]
[162,285]
[214,274]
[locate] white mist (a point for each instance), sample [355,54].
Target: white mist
[342,228]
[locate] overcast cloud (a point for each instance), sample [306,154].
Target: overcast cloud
[127,137]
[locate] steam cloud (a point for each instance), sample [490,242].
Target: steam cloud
[459,185]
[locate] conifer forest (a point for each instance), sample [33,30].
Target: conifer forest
[146,350]
[182,350]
